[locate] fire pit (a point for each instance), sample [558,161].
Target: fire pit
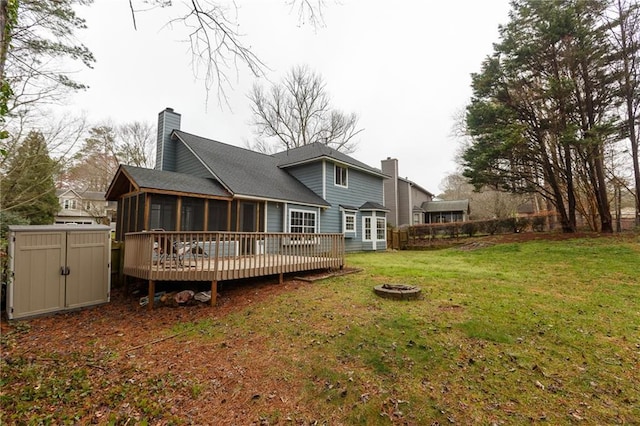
[398,291]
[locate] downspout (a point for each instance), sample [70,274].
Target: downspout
[266,209]
[324,180]
[284,217]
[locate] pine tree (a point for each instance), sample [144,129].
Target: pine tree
[27,189]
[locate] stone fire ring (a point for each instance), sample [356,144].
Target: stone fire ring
[398,291]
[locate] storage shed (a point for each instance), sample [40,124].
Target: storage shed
[54,268]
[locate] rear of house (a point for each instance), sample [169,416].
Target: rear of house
[200,184]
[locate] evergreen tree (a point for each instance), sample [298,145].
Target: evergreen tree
[27,189]
[545,107]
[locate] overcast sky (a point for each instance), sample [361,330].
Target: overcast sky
[403,67]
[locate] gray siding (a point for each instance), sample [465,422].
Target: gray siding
[274,217]
[310,175]
[404,208]
[168,121]
[390,168]
[186,162]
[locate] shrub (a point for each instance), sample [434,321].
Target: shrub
[469,228]
[538,223]
[522,224]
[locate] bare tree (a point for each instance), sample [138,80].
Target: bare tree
[136,143]
[297,112]
[217,47]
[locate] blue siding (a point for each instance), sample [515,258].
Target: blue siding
[168,121]
[361,187]
[188,163]
[310,175]
[274,217]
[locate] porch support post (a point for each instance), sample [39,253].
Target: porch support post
[281,278]
[152,294]
[214,292]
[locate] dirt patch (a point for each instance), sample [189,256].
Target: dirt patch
[132,347]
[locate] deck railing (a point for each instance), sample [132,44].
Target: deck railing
[218,256]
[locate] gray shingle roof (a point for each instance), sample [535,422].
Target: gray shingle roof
[370,205]
[171,181]
[249,173]
[317,151]
[445,206]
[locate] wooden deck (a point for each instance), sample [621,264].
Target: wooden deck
[220,256]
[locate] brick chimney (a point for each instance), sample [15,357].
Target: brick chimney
[168,121]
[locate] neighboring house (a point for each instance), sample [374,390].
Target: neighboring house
[403,197]
[203,185]
[446,211]
[84,207]
[410,204]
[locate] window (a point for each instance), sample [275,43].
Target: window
[341,176]
[69,204]
[349,222]
[416,218]
[381,229]
[301,221]
[367,228]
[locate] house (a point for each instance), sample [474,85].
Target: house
[84,207]
[443,211]
[410,204]
[403,197]
[200,184]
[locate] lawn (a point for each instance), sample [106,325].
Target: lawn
[542,332]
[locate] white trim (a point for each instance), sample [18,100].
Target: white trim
[266,209]
[364,229]
[383,228]
[315,219]
[335,169]
[335,161]
[350,213]
[285,214]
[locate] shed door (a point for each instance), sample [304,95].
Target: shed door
[87,259]
[38,286]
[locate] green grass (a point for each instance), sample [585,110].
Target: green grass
[539,332]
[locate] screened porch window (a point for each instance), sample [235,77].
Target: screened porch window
[218,214]
[192,214]
[163,212]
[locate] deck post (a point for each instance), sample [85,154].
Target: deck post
[152,294]
[281,278]
[214,292]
